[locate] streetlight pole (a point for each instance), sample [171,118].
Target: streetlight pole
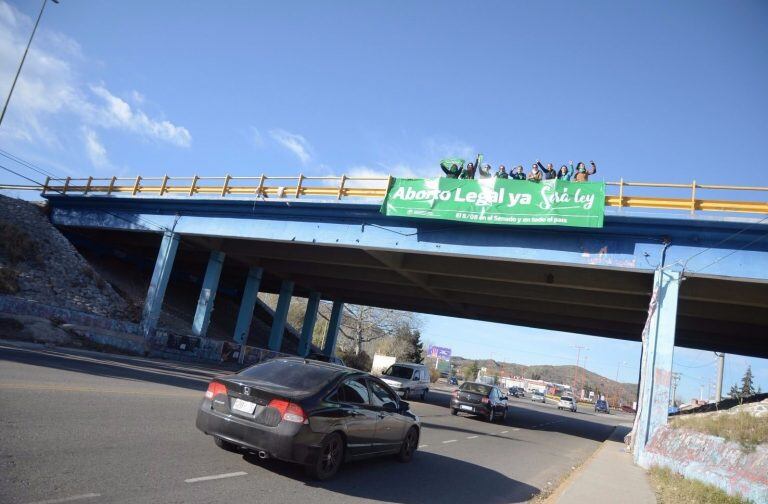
[616,383]
[24,57]
[719,386]
[576,370]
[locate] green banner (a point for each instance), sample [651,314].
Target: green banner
[498,201]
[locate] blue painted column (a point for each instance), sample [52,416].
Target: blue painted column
[208,294]
[308,326]
[281,314]
[247,303]
[656,379]
[329,346]
[157,285]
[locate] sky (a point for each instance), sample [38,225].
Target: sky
[652,91]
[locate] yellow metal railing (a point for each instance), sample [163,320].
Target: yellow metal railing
[369,187]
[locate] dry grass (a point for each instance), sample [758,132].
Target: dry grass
[743,428]
[671,488]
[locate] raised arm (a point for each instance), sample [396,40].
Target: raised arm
[592,170]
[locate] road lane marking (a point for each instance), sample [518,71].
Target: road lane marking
[516,429]
[471,437]
[504,431]
[68,499]
[215,477]
[449,441]
[423,446]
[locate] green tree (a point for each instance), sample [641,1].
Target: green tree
[735,392]
[747,384]
[470,374]
[409,340]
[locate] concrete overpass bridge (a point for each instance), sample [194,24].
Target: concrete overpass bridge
[693,280]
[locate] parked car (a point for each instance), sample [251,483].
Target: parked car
[537,396]
[566,403]
[308,412]
[453,380]
[325,358]
[602,407]
[513,391]
[521,391]
[408,379]
[480,399]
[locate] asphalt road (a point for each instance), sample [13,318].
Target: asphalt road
[87,427]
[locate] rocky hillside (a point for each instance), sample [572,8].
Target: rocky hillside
[555,374]
[38,263]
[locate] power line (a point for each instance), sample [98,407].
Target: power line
[759,238]
[29,165]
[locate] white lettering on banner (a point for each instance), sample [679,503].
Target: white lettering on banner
[517,198]
[587,200]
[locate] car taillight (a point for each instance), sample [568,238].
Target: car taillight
[456,393]
[214,389]
[290,412]
[485,400]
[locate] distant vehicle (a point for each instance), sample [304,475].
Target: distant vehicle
[453,380]
[537,396]
[673,410]
[308,412]
[566,403]
[521,391]
[408,379]
[325,358]
[480,399]
[602,407]
[513,392]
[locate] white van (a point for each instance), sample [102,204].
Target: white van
[408,379]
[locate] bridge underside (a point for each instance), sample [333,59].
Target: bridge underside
[713,313]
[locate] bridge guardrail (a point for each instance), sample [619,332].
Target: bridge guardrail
[372,187]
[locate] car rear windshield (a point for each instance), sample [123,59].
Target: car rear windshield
[477,388]
[399,372]
[566,399]
[296,376]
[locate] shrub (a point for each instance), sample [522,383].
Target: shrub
[9,281]
[362,361]
[16,244]
[434,374]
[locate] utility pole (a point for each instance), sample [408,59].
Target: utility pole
[616,383]
[675,381]
[576,370]
[719,386]
[24,57]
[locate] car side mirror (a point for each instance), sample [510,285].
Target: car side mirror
[390,407]
[404,406]
[505,398]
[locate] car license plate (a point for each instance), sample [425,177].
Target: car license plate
[465,407]
[243,406]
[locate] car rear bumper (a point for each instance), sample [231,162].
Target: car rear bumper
[283,442]
[467,407]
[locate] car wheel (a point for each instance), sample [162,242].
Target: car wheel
[409,446]
[504,415]
[491,416]
[454,411]
[225,445]
[330,458]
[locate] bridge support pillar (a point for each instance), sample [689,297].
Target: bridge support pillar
[247,304]
[329,346]
[656,366]
[208,294]
[281,314]
[157,285]
[308,326]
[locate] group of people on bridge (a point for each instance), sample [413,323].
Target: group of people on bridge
[455,168]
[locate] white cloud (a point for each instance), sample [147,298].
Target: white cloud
[137,97]
[94,149]
[51,93]
[256,138]
[294,142]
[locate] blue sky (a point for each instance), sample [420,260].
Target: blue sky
[651,91]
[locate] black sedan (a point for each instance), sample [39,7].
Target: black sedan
[308,412]
[479,399]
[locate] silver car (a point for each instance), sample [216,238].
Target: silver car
[537,397]
[566,403]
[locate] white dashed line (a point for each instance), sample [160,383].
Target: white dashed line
[68,499]
[504,431]
[449,441]
[516,429]
[471,437]
[423,445]
[215,477]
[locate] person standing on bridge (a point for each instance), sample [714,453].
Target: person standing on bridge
[502,173]
[468,173]
[565,173]
[535,175]
[547,173]
[452,167]
[484,171]
[518,173]
[582,174]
